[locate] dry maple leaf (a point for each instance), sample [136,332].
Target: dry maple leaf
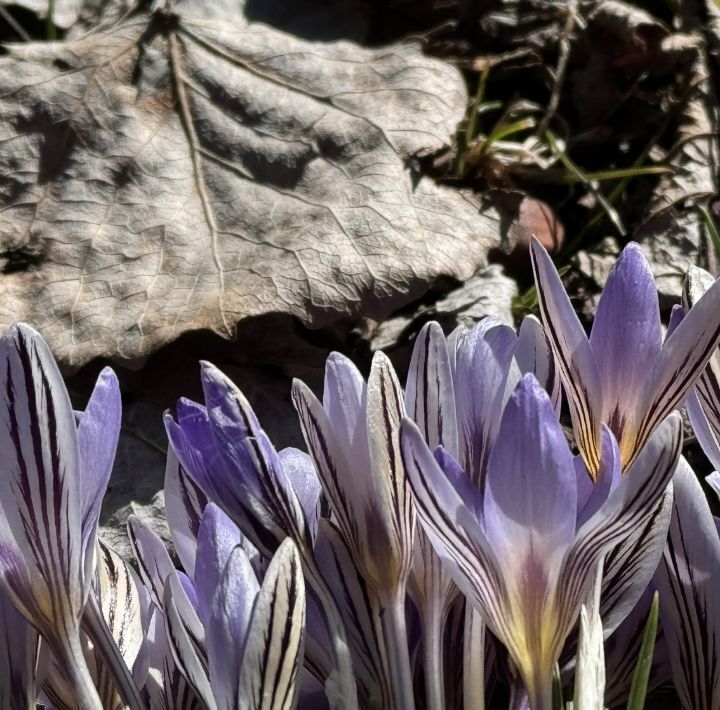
[177,173]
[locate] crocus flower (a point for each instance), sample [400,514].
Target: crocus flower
[518,553]
[690,595]
[55,470]
[353,438]
[623,375]
[270,495]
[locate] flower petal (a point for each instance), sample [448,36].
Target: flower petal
[153,559]
[683,356]
[429,396]
[483,357]
[530,491]
[97,435]
[626,336]
[273,653]
[227,627]
[39,488]
[301,473]
[690,596]
[573,355]
[533,354]
[184,505]
[454,531]
[18,654]
[629,508]
[186,639]
[217,538]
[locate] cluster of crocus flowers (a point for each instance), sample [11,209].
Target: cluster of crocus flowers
[440,545]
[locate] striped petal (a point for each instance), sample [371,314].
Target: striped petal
[39,491]
[184,505]
[113,622]
[573,355]
[153,560]
[227,627]
[390,525]
[690,596]
[273,653]
[682,359]
[533,354]
[628,508]
[18,657]
[186,640]
[454,531]
[483,358]
[359,608]
[429,395]
[300,471]
[703,420]
[254,473]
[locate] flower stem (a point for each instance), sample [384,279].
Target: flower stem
[397,652]
[69,654]
[433,627]
[474,661]
[344,697]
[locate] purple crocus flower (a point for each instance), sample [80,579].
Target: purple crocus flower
[56,466]
[690,594]
[623,375]
[353,438]
[518,553]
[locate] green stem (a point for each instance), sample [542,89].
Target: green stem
[397,652]
[50,29]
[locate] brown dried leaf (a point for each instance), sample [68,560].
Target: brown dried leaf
[176,173]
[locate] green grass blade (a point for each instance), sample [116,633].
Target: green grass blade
[641,674]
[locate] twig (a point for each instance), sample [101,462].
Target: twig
[561,69]
[16,27]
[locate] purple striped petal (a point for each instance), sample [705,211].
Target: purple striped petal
[706,430]
[40,491]
[429,395]
[573,355]
[18,653]
[454,531]
[533,354]
[626,336]
[186,640]
[690,595]
[608,476]
[682,358]
[629,507]
[301,473]
[153,559]
[184,505]
[483,357]
[391,519]
[254,474]
[359,608]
